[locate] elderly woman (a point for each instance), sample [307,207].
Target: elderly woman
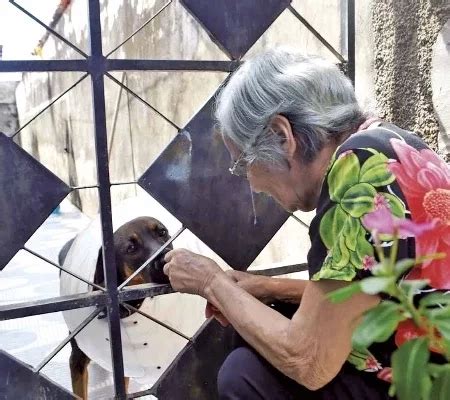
[293,128]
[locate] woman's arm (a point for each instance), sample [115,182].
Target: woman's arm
[312,347]
[268,289]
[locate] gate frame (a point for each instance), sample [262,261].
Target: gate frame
[97,66]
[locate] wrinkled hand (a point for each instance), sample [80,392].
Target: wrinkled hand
[189,272]
[212,311]
[244,280]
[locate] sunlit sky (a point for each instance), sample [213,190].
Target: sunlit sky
[19,34]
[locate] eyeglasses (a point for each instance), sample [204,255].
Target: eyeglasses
[239,167]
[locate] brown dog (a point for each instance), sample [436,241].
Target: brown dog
[134,243]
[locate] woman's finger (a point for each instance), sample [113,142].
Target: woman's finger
[166,269]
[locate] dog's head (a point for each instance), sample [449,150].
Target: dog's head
[134,243]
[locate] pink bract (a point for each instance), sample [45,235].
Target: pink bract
[425,181]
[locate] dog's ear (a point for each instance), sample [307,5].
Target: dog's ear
[99,277]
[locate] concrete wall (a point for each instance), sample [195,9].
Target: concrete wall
[62,138]
[405,32]
[397,86]
[8,110]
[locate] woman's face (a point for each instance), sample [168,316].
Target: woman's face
[295,185]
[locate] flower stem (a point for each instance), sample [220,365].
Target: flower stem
[409,306]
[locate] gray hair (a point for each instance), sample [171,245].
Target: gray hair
[313,94]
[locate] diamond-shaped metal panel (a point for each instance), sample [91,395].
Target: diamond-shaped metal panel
[191,179]
[19,381]
[29,192]
[235,25]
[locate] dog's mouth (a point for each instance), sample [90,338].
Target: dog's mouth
[156,270]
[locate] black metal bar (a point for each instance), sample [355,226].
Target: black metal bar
[97,63]
[43,65]
[95,298]
[300,221]
[116,114]
[316,34]
[119,65]
[154,255]
[156,321]
[53,304]
[49,105]
[171,65]
[75,275]
[351,40]
[147,392]
[77,330]
[142,27]
[52,31]
[123,183]
[84,187]
[287,269]
[141,291]
[143,101]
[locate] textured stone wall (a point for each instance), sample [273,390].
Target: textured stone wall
[404,33]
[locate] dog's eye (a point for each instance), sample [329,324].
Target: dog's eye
[162,232]
[132,247]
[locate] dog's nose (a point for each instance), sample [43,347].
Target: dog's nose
[165,251]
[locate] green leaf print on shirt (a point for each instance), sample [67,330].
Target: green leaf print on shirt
[355,191]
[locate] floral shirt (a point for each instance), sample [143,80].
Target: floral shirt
[385,166]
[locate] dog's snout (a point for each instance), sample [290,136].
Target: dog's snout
[165,251]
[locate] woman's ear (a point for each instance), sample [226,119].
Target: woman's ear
[281,126]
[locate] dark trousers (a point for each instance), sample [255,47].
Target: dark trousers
[247,376]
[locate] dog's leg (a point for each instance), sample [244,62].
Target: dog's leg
[127,382]
[78,370]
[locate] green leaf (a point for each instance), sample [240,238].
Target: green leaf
[437,369]
[440,318]
[350,231]
[343,174]
[378,324]
[441,386]
[340,295]
[331,225]
[396,205]
[392,390]
[410,287]
[410,373]
[359,200]
[377,284]
[402,266]
[347,273]
[363,247]
[375,171]
[341,255]
[434,299]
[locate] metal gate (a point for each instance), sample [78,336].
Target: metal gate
[29,193]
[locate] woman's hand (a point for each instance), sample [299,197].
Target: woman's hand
[189,272]
[250,283]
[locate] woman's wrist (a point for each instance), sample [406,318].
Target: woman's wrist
[215,281]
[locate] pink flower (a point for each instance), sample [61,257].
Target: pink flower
[368,262]
[425,181]
[380,201]
[381,221]
[372,364]
[345,154]
[385,374]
